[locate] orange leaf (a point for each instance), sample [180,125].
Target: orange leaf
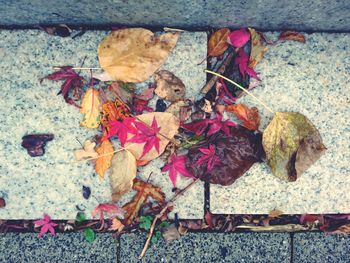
[249,116]
[104,162]
[275,213]
[116,225]
[292,35]
[218,42]
[144,191]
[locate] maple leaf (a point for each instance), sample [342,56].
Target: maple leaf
[249,116]
[121,129]
[104,162]
[110,209]
[72,82]
[139,106]
[209,157]
[198,127]
[176,166]
[143,192]
[242,61]
[46,225]
[238,38]
[116,225]
[147,135]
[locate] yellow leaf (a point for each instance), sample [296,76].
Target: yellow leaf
[116,225]
[104,162]
[258,50]
[134,54]
[123,173]
[90,107]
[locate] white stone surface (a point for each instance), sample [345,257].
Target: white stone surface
[53,183]
[312,79]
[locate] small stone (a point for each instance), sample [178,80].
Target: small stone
[160,106]
[2,202]
[86,192]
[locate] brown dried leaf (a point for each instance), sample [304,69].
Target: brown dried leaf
[123,173]
[134,54]
[87,152]
[170,233]
[258,50]
[275,213]
[249,116]
[168,86]
[104,162]
[292,35]
[217,43]
[2,202]
[180,109]
[116,225]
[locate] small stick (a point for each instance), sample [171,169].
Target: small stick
[172,200]
[239,86]
[173,29]
[80,68]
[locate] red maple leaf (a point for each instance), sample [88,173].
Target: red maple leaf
[242,61]
[121,129]
[139,106]
[147,135]
[110,209]
[46,225]
[176,166]
[72,82]
[209,157]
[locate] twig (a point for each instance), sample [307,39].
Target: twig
[166,29]
[244,89]
[80,68]
[172,200]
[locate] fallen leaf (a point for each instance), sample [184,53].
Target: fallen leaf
[146,94]
[72,83]
[168,125]
[209,158]
[343,230]
[139,106]
[145,222]
[242,62]
[2,203]
[134,54]
[292,35]
[237,152]
[249,116]
[217,43]
[35,143]
[122,129]
[104,76]
[170,233]
[258,49]
[90,107]
[88,151]
[122,91]
[275,213]
[89,235]
[180,109]
[292,144]
[143,192]
[168,86]
[104,162]
[192,141]
[177,165]
[45,225]
[238,38]
[61,30]
[116,225]
[122,174]
[110,209]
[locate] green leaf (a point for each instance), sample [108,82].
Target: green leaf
[81,217]
[89,234]
[192,141]
[163,224]
[145,222]
[156,236]
[292,144]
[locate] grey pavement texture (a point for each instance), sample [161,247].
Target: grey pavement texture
[62,248]
[316,15]
[320,247]
[210,247]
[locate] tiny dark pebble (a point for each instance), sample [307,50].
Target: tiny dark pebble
[2,202]
[86,192]
[160,106]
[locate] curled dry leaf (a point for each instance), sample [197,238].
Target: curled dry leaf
[90,107]
[104,162]
[116,225]
[35,143]
[168,86]
[170,233]
[217,43]
[122,174]
[88,151]
[292,144]
[168,125]
[292,35]
[249,116]
[134,54]
[258,49]
[180,109]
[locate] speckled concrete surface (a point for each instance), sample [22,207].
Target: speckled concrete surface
[313,79]
[210,247]
[320,247]
[53,183]
[63,248]
[269,15]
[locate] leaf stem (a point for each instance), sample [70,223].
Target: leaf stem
[245,90]
[80,68]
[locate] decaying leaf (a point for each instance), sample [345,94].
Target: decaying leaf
[275,213]
[292,144]
[249,116]
[168,125]
[143,192]
[2,202]
[122,174]
[168,86]
[258,49]
[116,225]
[35,143]
[104,162]
[134,54]
[237,152]
[170,233]
[122,91]
[88,151]
[217,43]
[180,109]
[90,107]
[292,35]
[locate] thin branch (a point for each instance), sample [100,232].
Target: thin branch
[80,68]
[172,200]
